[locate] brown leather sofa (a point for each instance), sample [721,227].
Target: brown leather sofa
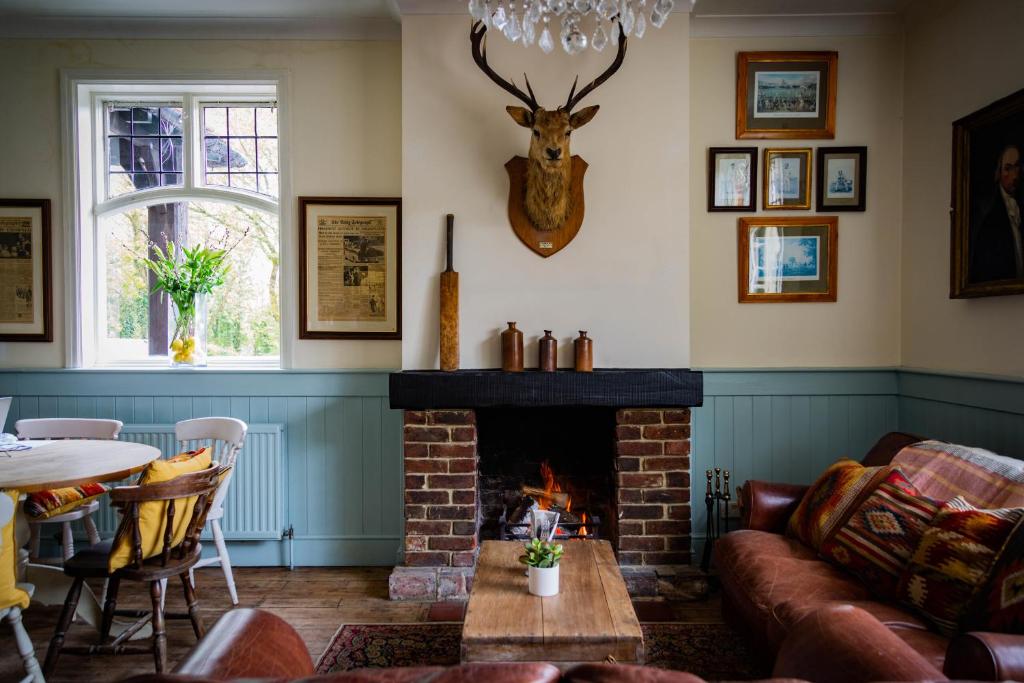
[797,608]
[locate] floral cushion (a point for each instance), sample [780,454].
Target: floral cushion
[878,539]
[957,554]
[45,504]
[825,505]
[1000,605]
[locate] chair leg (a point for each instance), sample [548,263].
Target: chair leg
[193,606]
[33,543]
[66,615]
[91,530]
[225,560]
[25,649]
[163,593]
[109,605]
[159,634]
[67,541]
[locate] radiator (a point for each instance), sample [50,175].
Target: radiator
[254,508]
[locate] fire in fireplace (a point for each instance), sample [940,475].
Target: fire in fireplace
[555,496]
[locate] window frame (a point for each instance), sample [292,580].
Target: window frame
[84,99]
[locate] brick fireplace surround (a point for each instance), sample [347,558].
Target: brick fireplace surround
[442,502]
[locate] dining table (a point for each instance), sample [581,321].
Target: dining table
[31,466]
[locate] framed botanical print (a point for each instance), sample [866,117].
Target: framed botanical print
[26,288]
[987,243]
[732,178]
[787,179]
[842,178]
[350,268]
[788,260]
[786,95]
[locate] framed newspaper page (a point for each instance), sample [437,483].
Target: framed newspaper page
[26,289]
[350,270]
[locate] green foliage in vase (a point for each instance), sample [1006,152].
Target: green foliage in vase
[182,274]
[542,554]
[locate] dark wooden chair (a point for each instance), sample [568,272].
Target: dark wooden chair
[172,560]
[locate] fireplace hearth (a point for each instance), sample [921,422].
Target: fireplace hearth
[472,472]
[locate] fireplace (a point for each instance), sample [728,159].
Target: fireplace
[617,442]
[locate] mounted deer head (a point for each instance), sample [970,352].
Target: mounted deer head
[548,200]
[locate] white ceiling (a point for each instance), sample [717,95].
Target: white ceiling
[738,8]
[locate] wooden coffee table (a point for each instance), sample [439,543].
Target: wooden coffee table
[590,620]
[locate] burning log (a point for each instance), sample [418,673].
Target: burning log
[559,498]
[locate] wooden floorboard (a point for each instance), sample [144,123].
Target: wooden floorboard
[315,601]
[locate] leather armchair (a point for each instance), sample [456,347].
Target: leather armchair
[985,657]
[767,506]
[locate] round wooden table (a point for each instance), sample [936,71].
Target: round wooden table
[55,464]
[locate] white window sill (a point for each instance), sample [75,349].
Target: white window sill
[241,364]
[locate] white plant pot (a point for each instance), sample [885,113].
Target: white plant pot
[543,581]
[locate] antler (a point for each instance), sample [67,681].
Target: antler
[574,97]
[476,40]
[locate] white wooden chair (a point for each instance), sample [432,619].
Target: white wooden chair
[12,615]
[226,435]
[5,407]
[67,428]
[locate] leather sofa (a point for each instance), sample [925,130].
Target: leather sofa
[788,601]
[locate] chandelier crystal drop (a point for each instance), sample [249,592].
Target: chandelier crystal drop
[583,23]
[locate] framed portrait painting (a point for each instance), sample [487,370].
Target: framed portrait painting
[788,260]
[732,178]
[787,179]
[987,241]
[786,95]
[350,268]
[842,178]
[26,289]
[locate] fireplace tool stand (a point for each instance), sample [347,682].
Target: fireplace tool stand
[717,502]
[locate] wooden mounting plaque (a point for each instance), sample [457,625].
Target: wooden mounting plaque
[543,242]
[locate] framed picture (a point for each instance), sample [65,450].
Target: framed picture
[732,178]
[350,271]
[787,179]
[786,95]
[26,288]
[842,178]
[987,254]
[788,260]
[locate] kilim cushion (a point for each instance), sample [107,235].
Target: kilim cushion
[1000,605]
[942,470]
[877,540]
[954,560]
[46,504]
[825,505]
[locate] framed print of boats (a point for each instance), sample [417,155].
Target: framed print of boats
[788,260]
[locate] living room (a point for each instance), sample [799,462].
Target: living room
[262,259]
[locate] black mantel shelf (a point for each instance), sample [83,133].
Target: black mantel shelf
[614,388]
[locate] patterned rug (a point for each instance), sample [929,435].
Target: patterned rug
[711,651]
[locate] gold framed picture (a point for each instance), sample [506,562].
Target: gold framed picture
[788,259]
[26,288]
[350,270]
[786,95]
[787,179]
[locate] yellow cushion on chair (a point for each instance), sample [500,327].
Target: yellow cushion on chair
[153,515]
[10,594]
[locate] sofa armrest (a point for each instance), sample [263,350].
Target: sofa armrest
[248,643]
[767,506]
[984,656]
[845,644]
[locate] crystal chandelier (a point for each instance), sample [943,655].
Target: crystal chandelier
[529,21]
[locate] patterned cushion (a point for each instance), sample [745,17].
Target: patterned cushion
[1000,606]
[825,505]
[878,539]
[46,504]
[954,559]
[943,470]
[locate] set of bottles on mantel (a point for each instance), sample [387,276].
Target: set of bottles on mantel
[512,351]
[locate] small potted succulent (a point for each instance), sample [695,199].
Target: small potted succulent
[541,560]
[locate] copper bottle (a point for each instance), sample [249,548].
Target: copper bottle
[548,347]
[584,352]
[512,349]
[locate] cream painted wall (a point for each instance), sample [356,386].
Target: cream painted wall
[861,328]
[624,277]
[345,127]
[961,56]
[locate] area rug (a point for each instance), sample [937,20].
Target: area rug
[711,651]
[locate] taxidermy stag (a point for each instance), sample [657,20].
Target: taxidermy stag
[546,188]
